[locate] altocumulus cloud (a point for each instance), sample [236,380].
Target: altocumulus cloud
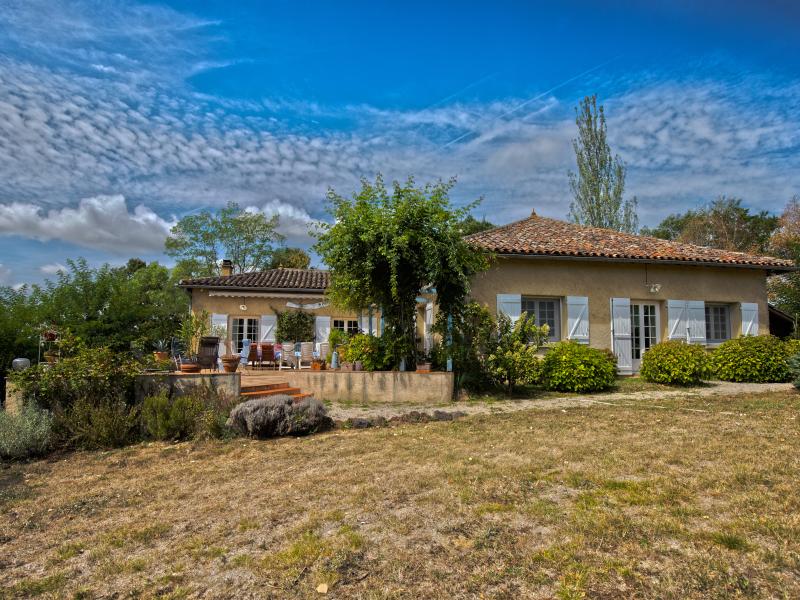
[101,222]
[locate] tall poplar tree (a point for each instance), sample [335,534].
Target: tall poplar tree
[599,183]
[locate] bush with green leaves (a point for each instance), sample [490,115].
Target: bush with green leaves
[25,434]
[512,356]
[574,367]
[90,374]
[753,358]
[370,350]
[295,326]
[794,369]
[96,424]
[465,339]
[173,419]
[676,363]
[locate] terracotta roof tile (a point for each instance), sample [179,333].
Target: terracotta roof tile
[273,279]
[549,237]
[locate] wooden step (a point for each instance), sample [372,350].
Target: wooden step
[265,387]
[289,391]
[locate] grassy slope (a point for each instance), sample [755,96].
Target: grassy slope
[699,500]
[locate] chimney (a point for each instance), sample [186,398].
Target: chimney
[533,212]
[227,268]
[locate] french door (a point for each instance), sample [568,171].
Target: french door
[644,330]
[243,328]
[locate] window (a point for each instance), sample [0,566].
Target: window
[348,325]
[545,311]
[718,325]
[243,329]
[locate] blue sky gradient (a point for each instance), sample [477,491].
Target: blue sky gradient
[118,117]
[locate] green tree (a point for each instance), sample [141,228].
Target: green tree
[246,238]
[723,223]
[511,359]
[599,184]
[385,246]
[470,225]
[290,258]
[784,289]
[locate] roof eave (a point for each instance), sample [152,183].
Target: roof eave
[774,269]
[252,288]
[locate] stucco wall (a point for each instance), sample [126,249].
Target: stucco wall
[601,281]
[380,387]
[180,384]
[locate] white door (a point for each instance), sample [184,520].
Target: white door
[644,330]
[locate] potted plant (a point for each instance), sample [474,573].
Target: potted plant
[51,356]
[423,367]
[230,362]
[161,350]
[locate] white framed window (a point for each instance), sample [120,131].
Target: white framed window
[350,326]
[243,328]
[545,311]
[718,323]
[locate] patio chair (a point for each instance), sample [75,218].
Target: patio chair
[324,348]
[268,356]
[252,356]
[287,356]
[207,352]
[244,355]
[306,355]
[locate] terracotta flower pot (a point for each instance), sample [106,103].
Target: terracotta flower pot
[51,357]
[190,368]
[230,362]
[161,356]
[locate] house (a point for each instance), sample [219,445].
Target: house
[599,287]
[621,291]
[246,305]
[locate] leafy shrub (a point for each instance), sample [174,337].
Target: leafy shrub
[166,418]
[336,338]
[574,367]
[675,363]
[90,425]
[25,434]
[295,326]
[757,359]
[94,375]
[370,350]
[794,369]
[465,341]
[279,415]
[511,358]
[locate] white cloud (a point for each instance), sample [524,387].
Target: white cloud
[53,269]
[101,222]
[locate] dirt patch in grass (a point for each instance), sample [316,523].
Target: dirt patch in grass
[694,499]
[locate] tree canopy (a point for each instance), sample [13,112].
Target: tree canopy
[784,290]
[385,246]
[199,242]
[723,223]
[290,258]
[599,184]
[470,225]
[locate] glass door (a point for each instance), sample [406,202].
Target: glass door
[243,328]
[644,330]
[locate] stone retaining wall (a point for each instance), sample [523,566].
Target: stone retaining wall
[180,384]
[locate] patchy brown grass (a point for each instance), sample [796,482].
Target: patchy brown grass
[608,502]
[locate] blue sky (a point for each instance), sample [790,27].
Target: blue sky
[118,117]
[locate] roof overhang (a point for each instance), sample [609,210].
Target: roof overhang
[648,261]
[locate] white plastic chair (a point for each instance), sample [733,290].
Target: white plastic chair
[287,356]
[306,355]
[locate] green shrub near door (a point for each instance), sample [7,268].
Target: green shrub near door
[574,367]
[755,359]
[676,363]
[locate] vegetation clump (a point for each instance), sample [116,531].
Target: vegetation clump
[755,359]
[512,357]
[675,363]
[279,415]
[574,367]
[25,434]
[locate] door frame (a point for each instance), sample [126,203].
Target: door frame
[637,362]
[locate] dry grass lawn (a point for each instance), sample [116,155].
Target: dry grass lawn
[696,500]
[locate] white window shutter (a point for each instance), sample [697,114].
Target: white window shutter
[221,321]
[322,328]
[268,326]
[621,333]
[749,318]
[696,321]
[510,305]
[677,319]
[578,319]
[364,324]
